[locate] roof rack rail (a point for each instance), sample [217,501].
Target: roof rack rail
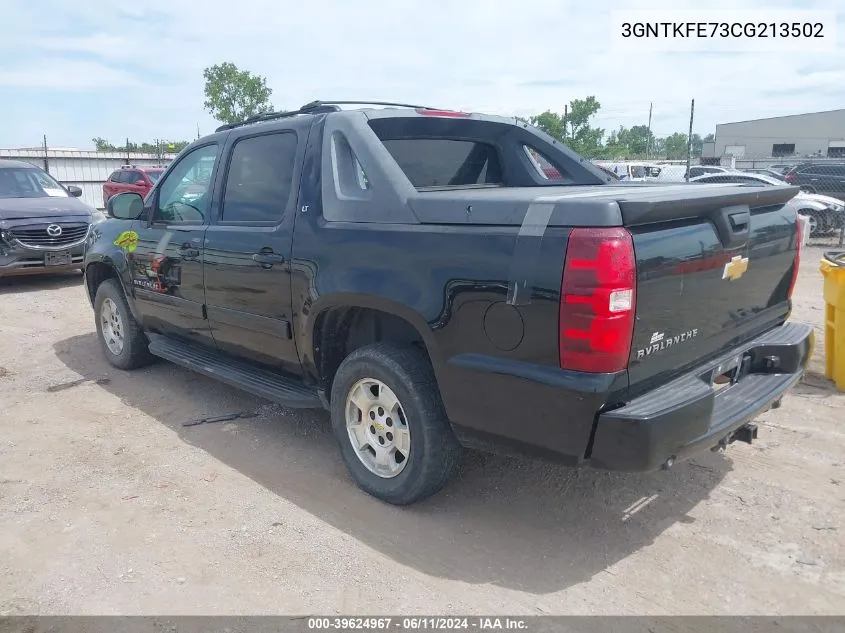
[314,107]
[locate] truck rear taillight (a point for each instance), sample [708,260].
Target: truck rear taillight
[597,300]
[799,237]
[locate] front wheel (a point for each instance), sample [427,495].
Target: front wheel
[123,342]
[389,420]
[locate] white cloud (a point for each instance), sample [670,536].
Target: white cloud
[494,56]
[60,74]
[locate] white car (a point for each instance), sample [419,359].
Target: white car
[825,214]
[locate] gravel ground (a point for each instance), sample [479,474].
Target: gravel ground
[108,505]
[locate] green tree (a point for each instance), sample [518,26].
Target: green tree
[629,143]
[232,95]
[550,123]
[658,146]
[147,147]
[102,145]
[697,145]
[574,128]
[616,145]
[640,140]
[676,146]
[583,138]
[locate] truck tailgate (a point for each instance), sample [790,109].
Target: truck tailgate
[714,269]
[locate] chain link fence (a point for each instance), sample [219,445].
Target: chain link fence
[822,197]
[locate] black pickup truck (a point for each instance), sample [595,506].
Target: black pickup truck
[438,279]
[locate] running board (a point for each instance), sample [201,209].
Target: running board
[288,391]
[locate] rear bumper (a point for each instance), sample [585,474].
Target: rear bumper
[689,414]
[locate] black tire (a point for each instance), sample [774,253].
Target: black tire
[135,352]
[434,453]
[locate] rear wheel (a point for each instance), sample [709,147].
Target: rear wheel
[815,222]
[123,342]
[389,420]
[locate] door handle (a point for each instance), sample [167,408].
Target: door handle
[266,260]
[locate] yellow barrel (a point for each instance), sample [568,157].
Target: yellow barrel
[833,270]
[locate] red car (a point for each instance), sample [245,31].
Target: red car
[130,178]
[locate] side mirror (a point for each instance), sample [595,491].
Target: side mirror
[125,206]
[73,191]
[140,183]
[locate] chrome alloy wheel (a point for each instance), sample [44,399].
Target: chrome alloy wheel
[112,327]
[377,428]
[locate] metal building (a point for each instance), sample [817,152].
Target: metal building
[816,134]
[85,169]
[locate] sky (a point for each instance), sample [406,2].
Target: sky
[79,69]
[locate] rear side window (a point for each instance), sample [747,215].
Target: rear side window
[542,165]
[259,182]
[443,162]
[115,177]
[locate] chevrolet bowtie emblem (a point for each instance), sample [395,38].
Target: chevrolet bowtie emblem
[735,268]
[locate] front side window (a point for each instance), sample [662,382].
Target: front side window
[185,194]
[259,182]
[28,182]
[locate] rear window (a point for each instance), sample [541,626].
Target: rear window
[442,162]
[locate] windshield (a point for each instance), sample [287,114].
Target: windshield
[28,182]
[154,175]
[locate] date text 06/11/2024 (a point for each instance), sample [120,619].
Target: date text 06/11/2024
[429,623]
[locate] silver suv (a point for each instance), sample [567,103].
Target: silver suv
[43,224]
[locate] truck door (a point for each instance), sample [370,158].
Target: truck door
[247,248]
[166,265]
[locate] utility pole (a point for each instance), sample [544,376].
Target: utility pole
[565,116]
[127,151]
[198,131]
[689,136]
[46,162]
[648,138]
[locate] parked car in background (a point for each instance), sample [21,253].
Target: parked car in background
[130,178]
[606,171]
[774,173]
[702,170]
[824,178]
[781,168]
[826,215]
[631,171]
[43,224]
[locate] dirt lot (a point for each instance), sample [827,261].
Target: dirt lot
[108,505]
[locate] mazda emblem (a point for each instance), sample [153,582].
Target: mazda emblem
[54,230]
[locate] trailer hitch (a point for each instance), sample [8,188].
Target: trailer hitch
[746,433]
